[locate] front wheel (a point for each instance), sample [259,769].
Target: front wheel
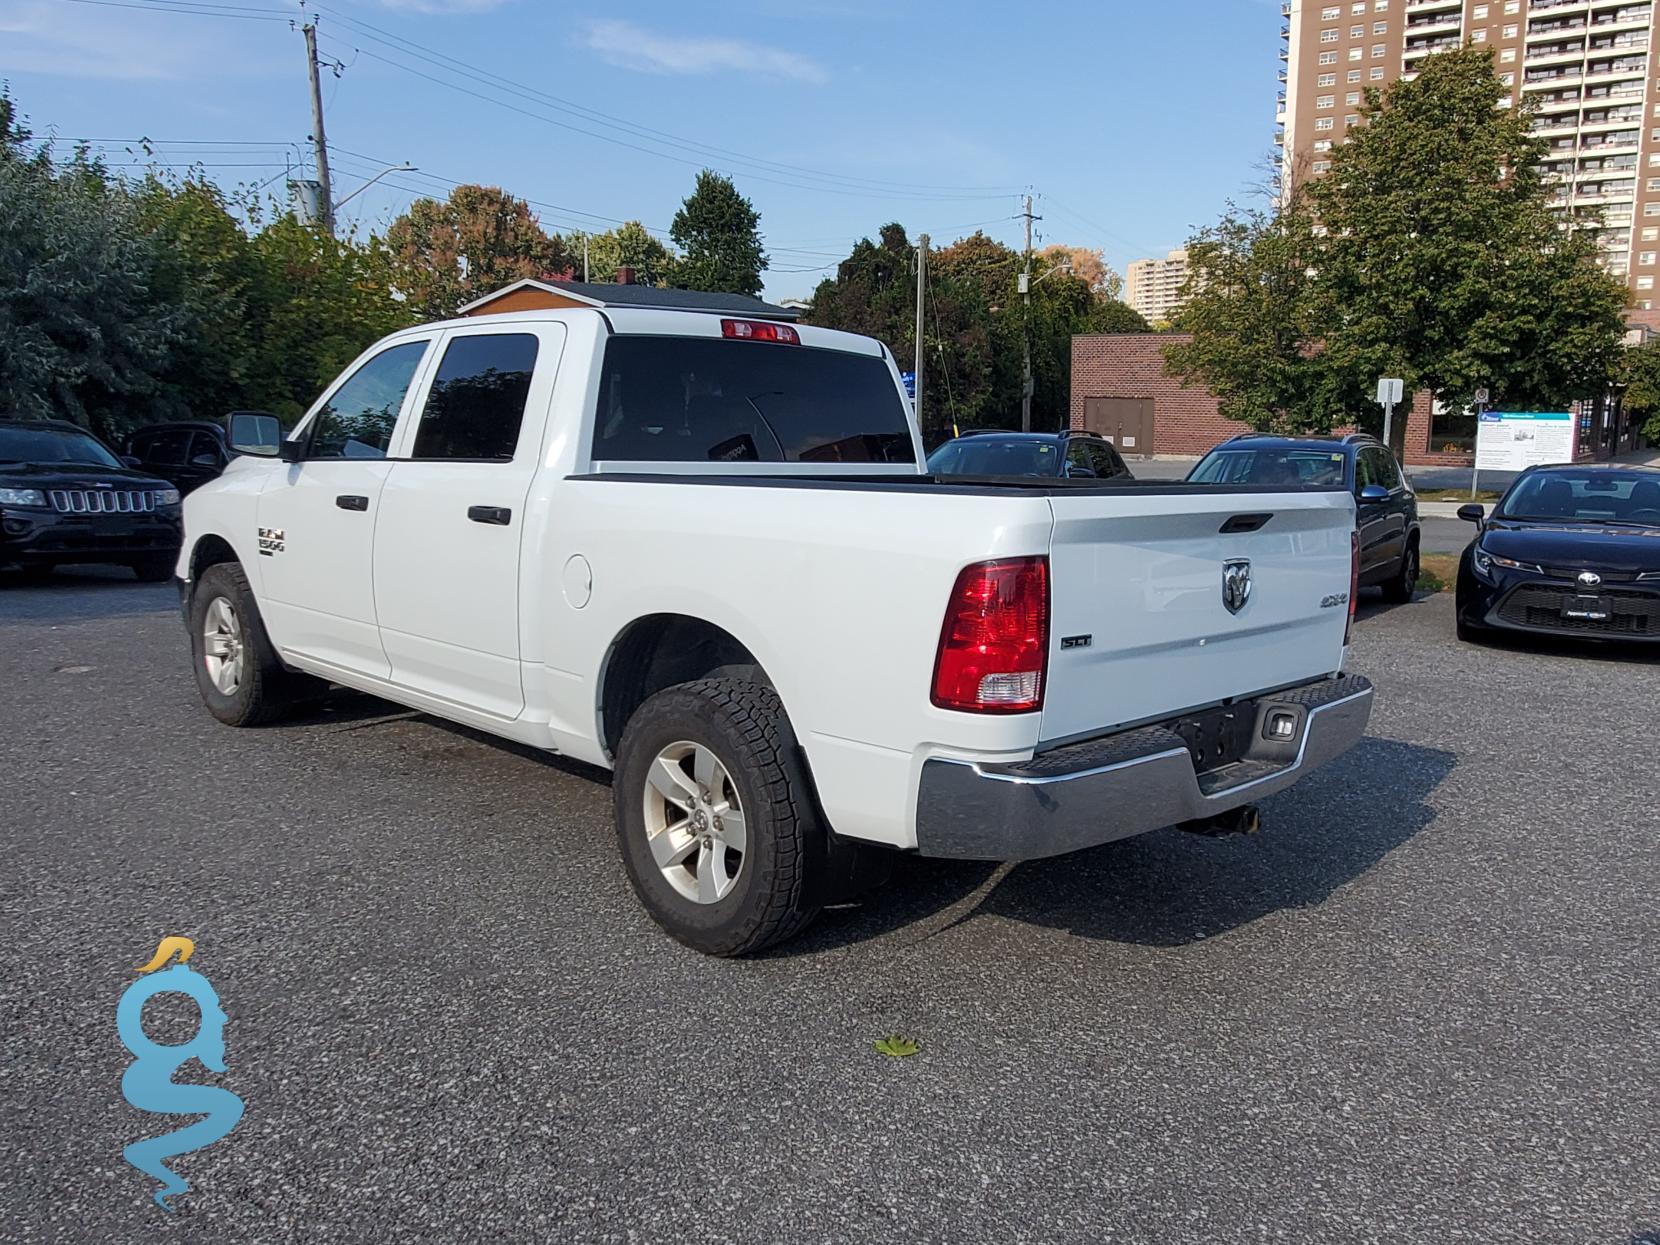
[1404,582]
[714,817]
[237,671]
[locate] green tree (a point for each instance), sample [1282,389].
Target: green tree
[82,337]
[318,303]
[719,233]
[1640,373]
[478,240]
[630,245]
[1443,261]
[1251,309]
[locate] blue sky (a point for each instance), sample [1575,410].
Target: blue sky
[1131,120]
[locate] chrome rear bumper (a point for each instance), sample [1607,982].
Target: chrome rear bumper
[1126,784]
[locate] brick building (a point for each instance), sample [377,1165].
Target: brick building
[1120,389]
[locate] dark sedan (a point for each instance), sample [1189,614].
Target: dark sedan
[65,498]
[1568,551]
[1070,455]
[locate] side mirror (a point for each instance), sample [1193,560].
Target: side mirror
[254,432]
[128,460]
[1473,513]
[1373,492]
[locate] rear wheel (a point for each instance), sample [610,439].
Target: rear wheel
[1404,582]
[714,817]
[237,671]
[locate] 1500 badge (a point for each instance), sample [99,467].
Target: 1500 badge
[270,541]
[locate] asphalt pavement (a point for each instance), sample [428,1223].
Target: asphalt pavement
[1419,1007]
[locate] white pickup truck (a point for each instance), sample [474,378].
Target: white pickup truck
[703,552]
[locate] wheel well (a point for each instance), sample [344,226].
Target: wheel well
[660,651]
[210,551]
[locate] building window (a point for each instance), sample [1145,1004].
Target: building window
[1326,79]
[1651,209]
[1645,283]
[1325,123]
[1352,98]
[1480,36]
[1380,28]
[1512,6]
[1377,51]
[1480,12]
[1380,6]
[1359,6]
[1651,234]
[1329,35]
[1322,166]
[1323,101]
[1508,55]
[1452,430]
[1354,75]
[1324,144]
[1357,32]
[1330,15]
[1509,79]
[1645,304]
[1509,32]
[1351,119]
[1355,54]
[1328,58]
[1646,259]
[1377,73]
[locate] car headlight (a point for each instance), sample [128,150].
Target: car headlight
[22,497]
[167,497]
[1485,562]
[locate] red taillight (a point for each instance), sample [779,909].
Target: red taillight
[760,331]
[995,642]
[1354,582]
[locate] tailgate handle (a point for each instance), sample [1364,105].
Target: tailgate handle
[1244,523]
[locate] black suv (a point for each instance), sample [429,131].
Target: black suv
[64,497]
[186,452]
[1386,508]
[1046,455]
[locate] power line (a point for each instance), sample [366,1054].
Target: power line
[271,15]
[410,47]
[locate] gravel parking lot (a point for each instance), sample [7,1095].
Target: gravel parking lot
[1421,1006]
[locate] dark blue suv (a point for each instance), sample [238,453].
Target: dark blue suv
[1386,509]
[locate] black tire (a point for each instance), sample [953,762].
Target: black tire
[266,690]
[1404,582]
[773,893]
[154,570]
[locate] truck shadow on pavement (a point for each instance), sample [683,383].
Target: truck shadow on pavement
[1169,888]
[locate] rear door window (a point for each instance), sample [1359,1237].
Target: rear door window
[166,447]
[1106,459]
[699,399]
[477,401]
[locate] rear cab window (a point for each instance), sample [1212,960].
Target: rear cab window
[717,400]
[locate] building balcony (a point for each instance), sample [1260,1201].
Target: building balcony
[1439,23]
[1551,54]
[1561,26]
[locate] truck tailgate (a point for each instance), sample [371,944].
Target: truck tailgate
[1141,576]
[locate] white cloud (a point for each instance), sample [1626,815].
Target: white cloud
[63,40]
[630,46]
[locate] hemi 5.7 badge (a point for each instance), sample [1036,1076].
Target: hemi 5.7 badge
[270,541]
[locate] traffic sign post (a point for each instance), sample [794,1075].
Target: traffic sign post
[1389,393]
[1481,397]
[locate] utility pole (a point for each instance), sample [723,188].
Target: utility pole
[1026,325]
[921,291]
[318,138]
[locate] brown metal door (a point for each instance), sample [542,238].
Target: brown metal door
[1126,422]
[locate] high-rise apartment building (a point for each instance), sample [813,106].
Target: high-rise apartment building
[1586,64]
[1154,286]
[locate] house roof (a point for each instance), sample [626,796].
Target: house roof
[658,297]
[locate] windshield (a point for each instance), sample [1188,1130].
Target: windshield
[700,399]
[52,445]
[995,456]
[1591,495]
[1275,464]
